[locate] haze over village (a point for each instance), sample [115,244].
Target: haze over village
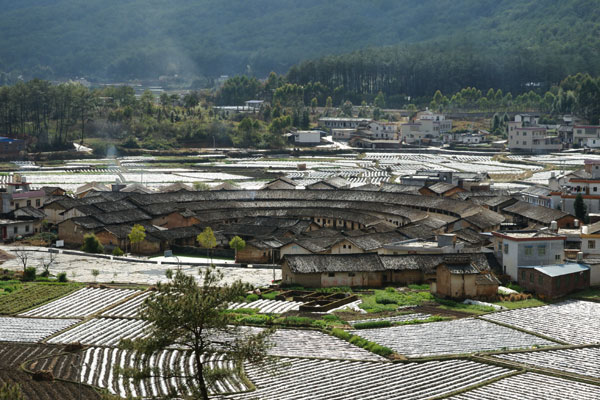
[300,200]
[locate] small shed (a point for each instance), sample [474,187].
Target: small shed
[553,281]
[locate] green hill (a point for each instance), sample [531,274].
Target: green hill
[123,39]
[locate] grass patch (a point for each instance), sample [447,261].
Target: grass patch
[419,287]
[34,294]
[512,305]
[373,324]
[591,293]
[363,343]
[516,287]
[390,299]
[270,295]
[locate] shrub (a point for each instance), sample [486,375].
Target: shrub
[29,274]
[252,297]
[256,319]
[117,252]
[341,334]
[390,289]
[331,317]
[372,324]
[384,298]
[270,295]
[91,244]
[297,321]
[419,287]
[62,277]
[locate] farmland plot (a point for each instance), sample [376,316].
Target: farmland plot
[398,318]
[30,329]
[342,380]
[532,386]
[269,306]
[128,309]
[450,337]
[103,332]
[573,321]
[99,362]
[81,303]
[307,343]
[578,361]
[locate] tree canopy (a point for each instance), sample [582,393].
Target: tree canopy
[193,318]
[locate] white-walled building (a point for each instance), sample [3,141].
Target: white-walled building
[584,134]
[531,139]
[518,249]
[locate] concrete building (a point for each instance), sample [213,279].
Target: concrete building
[585,134]
[307,138]
[531,139]
[553,281]
[351,123]
[525,248]
[11,149]
[18,193]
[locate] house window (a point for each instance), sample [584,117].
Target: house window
[541,250]
[528,251]
[16,230]
[26,228]
[28,203]
[523,274]
[541,280]
[350,273]
[591,244]
[344,246]
[557,257]
[506,249]
[331,274]
[531,277]
[38,203]
[349,246]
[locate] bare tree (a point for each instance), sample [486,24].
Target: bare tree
[47,263]
[22,255]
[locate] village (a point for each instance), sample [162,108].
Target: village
[401,264]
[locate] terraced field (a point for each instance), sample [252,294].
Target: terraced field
[31,330]
[97,369]
[13,355]
[578,361]
[450,337]
[343,380]
[103,332]
[81,303]
[532,386]
[573,321]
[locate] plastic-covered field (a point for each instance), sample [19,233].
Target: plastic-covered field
[82,303]
[573,321]
[532,386]
[269,306]
[103,332]
[450,337]
[31,329]
[578,361]
[342,380]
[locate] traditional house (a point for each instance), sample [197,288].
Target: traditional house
[367,270]
[335,182]
[458,277]
[280,183]
[527,215]
[440,189]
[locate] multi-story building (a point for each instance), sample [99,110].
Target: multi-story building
[584,135]
[531,139]
[524,248]
[351,123]
[18,194]
[427,127]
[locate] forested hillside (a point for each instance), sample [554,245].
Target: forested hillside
[125,39]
